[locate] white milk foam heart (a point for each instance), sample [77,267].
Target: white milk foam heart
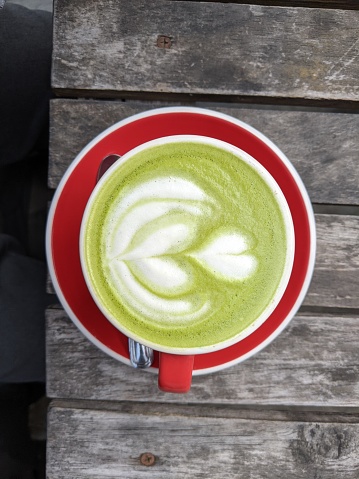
[150,235]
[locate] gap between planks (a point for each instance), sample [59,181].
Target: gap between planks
[268,413]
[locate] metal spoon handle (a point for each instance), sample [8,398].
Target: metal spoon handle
[140,356]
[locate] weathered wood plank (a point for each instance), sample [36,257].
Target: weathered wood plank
[313,363]
[87,444]
[322,146]
[335,281]
[343,4]
[255,413]
[216,49]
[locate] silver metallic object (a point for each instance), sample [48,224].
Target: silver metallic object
[141,356]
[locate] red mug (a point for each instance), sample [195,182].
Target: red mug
[226,255]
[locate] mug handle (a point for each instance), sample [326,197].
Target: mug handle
[175,373]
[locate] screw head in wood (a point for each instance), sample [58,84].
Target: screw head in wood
[147,459]
[163,41]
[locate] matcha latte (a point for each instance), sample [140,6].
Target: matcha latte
[186,244]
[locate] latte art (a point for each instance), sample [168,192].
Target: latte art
[184,244]
[152,250]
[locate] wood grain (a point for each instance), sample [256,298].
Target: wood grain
[313,363]
[322,146]
[343,4]
[335,281]
[95,444]
[216,49]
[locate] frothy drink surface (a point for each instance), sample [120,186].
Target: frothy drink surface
[185,245]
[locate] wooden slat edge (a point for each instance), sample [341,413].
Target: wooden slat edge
[313,363]
[322,146]
[335,281]
[337,4]
[250,50]
[89,444]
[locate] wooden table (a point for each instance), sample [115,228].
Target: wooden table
[291,70]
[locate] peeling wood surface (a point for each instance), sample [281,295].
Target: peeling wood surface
[323,147]
[335,280]
[343,4]
[88,444]
[313,363]
[215,49]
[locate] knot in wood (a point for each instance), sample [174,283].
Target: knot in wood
[163,41]
[147,459]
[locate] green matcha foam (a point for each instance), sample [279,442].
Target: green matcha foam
[185,245]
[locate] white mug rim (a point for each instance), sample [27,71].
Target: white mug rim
[282,202]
